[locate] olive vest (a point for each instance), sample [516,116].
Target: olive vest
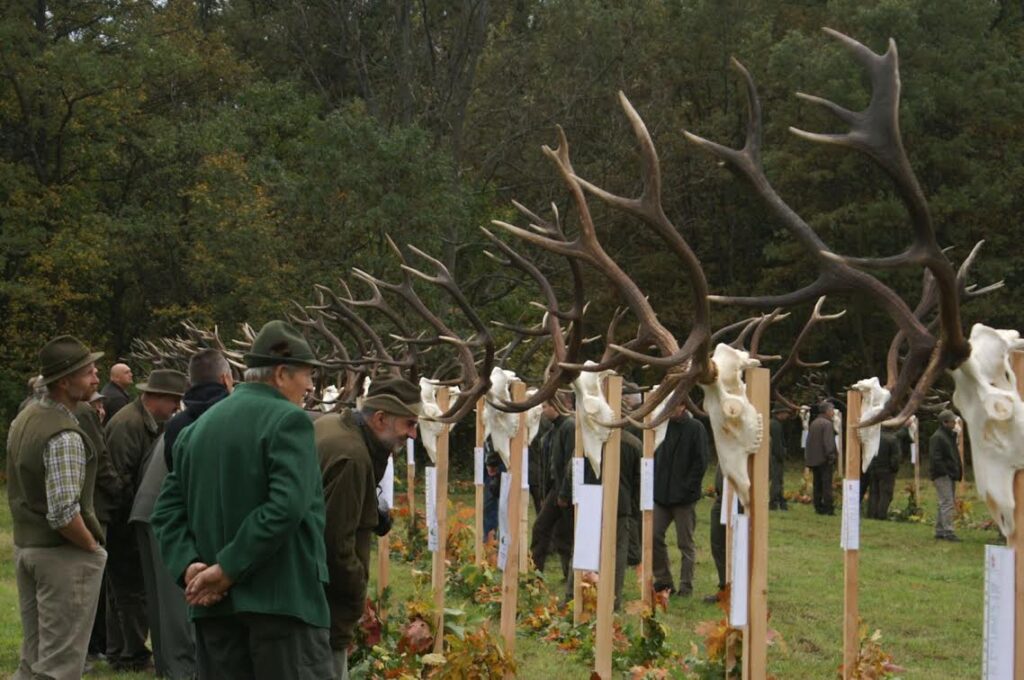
[26,475]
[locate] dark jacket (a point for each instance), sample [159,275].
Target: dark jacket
[129,436]
[630,453]
[563,447]
[777,439]
[246,493]
[116,399]
[821,443]
[887,460]
[197,400]
[352,463]
[943,455]
[107,481]
[539,473]
[680,462]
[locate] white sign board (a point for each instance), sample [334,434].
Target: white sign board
[525,485]
[387,483]
[913,453]
[803,440]
[577,478]
[849,537]
[504,537]
[410,451]
[478,465]
[999,641]
[740,570]
[431,491]
[586,554]
[647,484]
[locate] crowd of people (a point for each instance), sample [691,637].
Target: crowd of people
[231,530]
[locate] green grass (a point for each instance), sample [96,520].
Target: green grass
[924,595]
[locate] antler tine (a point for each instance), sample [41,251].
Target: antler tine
[793,360]
[755,342]
[725,330]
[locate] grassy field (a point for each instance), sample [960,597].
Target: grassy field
[924,595]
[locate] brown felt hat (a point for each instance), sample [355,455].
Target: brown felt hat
[396,396]
[62,356]
[946,415]
[278,342]
[165,381]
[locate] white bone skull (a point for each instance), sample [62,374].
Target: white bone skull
[430,429]
[592,409]
[986,396]
[330,397]
[501,427]
[837,427]
[805,422]
[735,423]
[873,399]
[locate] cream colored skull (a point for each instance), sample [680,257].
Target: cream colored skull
[874,397]
[430,428]
[592,410]
[735,423]
[501,427]
[329,398]
[986,396]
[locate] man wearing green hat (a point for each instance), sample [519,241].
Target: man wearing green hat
[51,472]
[130,434]
[944,459]
[354,447]
[240,521]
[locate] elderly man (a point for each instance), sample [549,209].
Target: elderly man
[130,435]
[820,455]
[51,471]
[240,521]
[116,390]
[354,447]
[944,459]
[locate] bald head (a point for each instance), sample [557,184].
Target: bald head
[121,375]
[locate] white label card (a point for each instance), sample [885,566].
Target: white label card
[740,570]
[478,465]
[723,515]
[504,538]
[410,451]
[803,440]
[913,453]
[525,470]
[849,538]
[387,483]
[586,554]
[431,492]
[577,478]
[997,656]
[647,484]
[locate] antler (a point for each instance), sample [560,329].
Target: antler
[794,361]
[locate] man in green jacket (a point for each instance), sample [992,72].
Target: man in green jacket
[777,460]
[945,470]
[58,559]
[882,475]
[240,521]
[354,447]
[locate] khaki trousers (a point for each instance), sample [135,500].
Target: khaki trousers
[685,519]
[58,590]
[945,491]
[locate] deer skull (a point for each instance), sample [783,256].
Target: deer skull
[430,429]
[592,409]
[735,423]
[986,395]
[330,397]
[501,427]
[873,399]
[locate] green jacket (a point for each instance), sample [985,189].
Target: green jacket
[887,460]
[630,453]
[352,462]
[107,480]
[245,493]
[129,436]
[943,455]
[777,439]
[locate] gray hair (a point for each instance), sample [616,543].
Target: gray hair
[207,366]
[263,374]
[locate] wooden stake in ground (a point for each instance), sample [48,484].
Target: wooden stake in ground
[1016,541]
[851,625]
[441,517]
[510,577]
[478,484]
[577,575]
[755,640]
[610,464]
[647,531]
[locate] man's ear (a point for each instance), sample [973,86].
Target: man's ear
[228,381]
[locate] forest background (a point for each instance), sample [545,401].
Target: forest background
[211,160]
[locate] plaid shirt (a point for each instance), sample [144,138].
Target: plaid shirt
[64,461]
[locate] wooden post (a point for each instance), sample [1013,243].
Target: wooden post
[851,625]
[610,464]
[1016,541]
[479,489]
[441,515]
[647,535]
[510,577]
[755,641]
[577,575]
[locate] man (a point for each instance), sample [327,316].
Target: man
[882,475]
[51,471]
[240,521]
[777,461]
[944,459]
[820,455]
[36,391]
[171,632]
[116,390]
[96,403]
[353,448]
[553,525]
[130,435]
[537,473]
[679,466]
[717,537]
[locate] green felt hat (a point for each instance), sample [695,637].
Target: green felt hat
[62,356]
[277,343]
[165,381]
[396,396]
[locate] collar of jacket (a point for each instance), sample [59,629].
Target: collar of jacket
[204,395]
[378,452]
[147,418]
[261,389]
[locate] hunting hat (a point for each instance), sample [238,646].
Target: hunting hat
[165,381]
[277,343]
[396,396]
[62,356]
[946,415]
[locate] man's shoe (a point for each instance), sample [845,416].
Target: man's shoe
[662,587]
[773,506]
[783,506]
[954,538]
[680,593]
[710,599]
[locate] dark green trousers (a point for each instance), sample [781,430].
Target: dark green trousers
[718,540]
[262,647]
[174,644]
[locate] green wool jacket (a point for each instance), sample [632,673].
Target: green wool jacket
[680,462]
[245,493]
[352,463]
[129,436]
[107,480]
[943,455]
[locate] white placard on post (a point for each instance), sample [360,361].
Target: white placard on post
[431,492]
[803,440]
[525,486]
[410,451]
[387,483]
[740,570]
[586,553]
[727,498]
[478,465]
[577,478]
[647,484]
[504,537]
[913,453]
[849,537]
[997,657]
